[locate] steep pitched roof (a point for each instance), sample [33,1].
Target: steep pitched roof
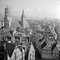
[20,47]
[10,48]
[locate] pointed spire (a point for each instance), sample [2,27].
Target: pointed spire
[23,13]
[22,17]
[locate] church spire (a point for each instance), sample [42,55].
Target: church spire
[22,17]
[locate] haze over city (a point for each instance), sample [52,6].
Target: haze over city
[30,29]
[32,8]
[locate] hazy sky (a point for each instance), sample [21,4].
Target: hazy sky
[32,8]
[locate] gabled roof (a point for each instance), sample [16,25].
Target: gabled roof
[20,47]
[10,48]
[17,50]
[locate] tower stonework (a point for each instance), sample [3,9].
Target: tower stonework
[6,18]
[22,17]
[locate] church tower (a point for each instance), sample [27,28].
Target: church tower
[22,17]
[6,18]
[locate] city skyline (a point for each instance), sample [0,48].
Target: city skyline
[32,8]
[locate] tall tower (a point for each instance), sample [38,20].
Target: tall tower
[22,17]
[6,18]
